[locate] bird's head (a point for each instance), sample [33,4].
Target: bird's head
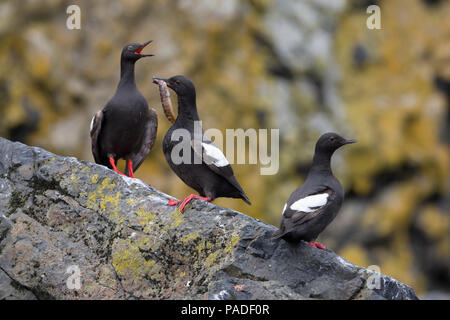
[329,142]
[133,51]
[180,84]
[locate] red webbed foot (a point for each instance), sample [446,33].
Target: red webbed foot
[113,164]
[186,201]
[174,202]
[317,245]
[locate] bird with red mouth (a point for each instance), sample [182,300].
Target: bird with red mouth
[125,128]
[206,170]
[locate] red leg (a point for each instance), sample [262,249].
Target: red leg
[317,245]
[113,163]
[130,168]
[174,202]
[186,201]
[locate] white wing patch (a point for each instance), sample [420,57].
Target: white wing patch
[211,151]
[310,203]
[92,124]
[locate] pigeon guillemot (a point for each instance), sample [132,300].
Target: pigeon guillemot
[312,206]
[125,128]
[207,171]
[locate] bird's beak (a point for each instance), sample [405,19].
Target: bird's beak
[156,79]
[347,141]
[138,51]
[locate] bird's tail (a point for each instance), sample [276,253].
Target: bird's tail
[278,234]
[245,198]
[240,193]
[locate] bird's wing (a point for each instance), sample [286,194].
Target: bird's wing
[302,208]
[95,128]
[149,140]
[209,153]
[214,158]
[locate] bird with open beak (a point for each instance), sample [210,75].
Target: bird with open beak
[125,128]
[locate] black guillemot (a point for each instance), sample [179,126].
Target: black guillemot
[125,128]
[312,206]
[207,170]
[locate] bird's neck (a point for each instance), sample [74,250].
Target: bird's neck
[126,73]
[321,164]
[187,107]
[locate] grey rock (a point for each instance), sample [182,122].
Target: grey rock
[61,218]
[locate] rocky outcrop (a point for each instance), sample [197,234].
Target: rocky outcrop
[64,219]
[303,66]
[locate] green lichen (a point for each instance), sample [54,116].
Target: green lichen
[107,278]
[189,237]
[232,243]
[94,178]
[74,178]
[85,169]
[177,217]
[201,246]
[106,203]
[145,217]
[211,258]
[127,259]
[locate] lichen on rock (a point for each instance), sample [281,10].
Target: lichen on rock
[128,243]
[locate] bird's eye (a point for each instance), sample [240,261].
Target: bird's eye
[177,81]
[331,138]
[129,47]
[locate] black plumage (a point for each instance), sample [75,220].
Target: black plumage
[313,206]
[125,128]
[207,170]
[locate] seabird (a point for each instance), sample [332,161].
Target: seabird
[207,171]
[125,128]
[312,206]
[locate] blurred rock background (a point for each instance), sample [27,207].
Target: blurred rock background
[305,67]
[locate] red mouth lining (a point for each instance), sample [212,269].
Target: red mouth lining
[138,51]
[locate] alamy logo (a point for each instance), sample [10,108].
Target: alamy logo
[208,147]
[74,280]
[74,19]
[374,20]
[374,280]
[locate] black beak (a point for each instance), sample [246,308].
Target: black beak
[138,51]
[347,141]
[162,79]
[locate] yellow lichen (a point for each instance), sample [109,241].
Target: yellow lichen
[94,178]
[189,237]
[131,202]
[108,203]
[232,243]
[177,217]
[201,246]
[74,178]
[128,260]
[144,216]
[211,258]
